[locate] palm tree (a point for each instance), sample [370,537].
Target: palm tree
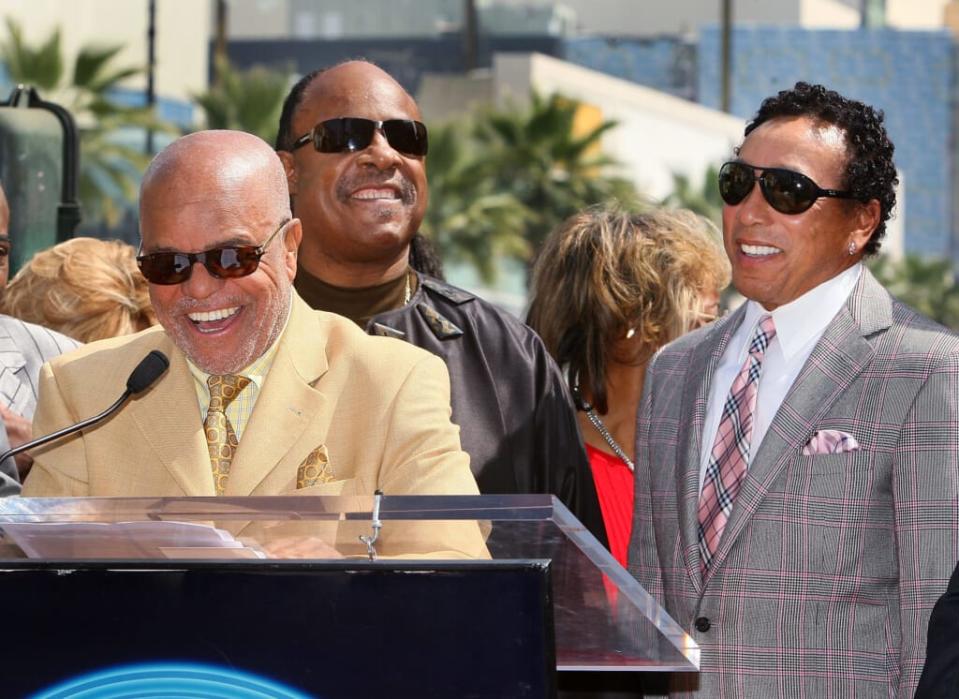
[109,168]
[468,220]
[248,100]
[704,199]
[538,156]
[928,285]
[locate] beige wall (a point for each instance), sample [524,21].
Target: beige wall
[183,29]
[915,14]
[828,14]
[658,134]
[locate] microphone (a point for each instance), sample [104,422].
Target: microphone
[144,375]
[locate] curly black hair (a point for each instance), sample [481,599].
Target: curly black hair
[870,172]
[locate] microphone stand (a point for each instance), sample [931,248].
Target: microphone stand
[375,526]
[70,429]
[144,375]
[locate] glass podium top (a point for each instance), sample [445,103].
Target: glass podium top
[604,619]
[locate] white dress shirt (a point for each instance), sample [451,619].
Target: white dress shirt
[799,325]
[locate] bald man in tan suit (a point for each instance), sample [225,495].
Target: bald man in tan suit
[322,408]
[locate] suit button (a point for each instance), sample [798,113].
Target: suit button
[702,624]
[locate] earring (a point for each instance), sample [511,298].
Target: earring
[852,248]
[630,333]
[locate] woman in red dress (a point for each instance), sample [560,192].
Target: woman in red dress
[609,289]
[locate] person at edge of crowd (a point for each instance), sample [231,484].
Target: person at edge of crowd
[295,401]
[797,462]
[940,674]
[24,347]
[85,288]
[610,288]
[354,149]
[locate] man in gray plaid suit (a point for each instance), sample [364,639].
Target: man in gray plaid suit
[797,470]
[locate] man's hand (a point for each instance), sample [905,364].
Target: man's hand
[294,547]
[19,431]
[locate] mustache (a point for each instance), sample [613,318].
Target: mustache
[350,183]
[188,305]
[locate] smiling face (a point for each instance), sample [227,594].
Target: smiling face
[220,191]
[359,210]
[776,257]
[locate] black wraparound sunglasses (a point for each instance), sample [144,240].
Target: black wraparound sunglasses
[787,191]
[227,262]
[350,134]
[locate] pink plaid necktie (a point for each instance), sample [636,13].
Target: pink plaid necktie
[730,454]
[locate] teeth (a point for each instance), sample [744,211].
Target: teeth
[759,250]
[207,316]
[376,194]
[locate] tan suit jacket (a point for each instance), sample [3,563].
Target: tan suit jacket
[375,411]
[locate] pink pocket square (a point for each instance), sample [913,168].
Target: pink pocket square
[830,442]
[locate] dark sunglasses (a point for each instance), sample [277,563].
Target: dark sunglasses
[788,192]
[350,134]
[227,262]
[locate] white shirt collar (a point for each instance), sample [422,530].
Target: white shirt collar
[806,318]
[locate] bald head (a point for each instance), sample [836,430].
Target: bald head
[222,194]
[217,164]
[337,85]
[342,82]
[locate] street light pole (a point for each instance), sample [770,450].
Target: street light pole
[727,54]
[470,36]
[151,97]
[219,45]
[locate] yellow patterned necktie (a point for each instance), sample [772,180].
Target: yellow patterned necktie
[220,437]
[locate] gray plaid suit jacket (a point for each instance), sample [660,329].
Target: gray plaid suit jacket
[829,565]
[24,347]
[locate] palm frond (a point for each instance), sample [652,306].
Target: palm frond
[40,66]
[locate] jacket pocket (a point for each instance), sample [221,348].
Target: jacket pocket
[823,464]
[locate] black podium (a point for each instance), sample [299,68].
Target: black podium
[483,596]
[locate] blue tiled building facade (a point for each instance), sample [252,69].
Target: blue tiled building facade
[664,63]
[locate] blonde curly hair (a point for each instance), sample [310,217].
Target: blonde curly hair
[605,274]
[86,288]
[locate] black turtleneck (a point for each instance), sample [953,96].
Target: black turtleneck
[359,305]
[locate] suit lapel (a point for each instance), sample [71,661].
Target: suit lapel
[276,439]
[15,392]
[169,421]
[835,362]
[695,399]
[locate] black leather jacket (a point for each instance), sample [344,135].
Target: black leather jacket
[509,398]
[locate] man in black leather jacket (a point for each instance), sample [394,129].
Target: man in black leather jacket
[358,184]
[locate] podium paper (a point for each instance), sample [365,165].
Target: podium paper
[95,540]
